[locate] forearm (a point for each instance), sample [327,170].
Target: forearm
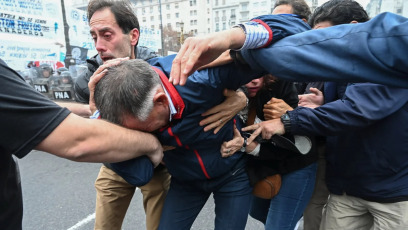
[93,140]
[79,109]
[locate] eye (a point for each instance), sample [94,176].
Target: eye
[107,36]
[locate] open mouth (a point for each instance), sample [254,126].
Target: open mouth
[104,59]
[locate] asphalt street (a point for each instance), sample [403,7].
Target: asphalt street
[59,195]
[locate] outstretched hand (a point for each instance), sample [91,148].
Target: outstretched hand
[199,51]
[220,114]
[311,100]
[97,76]
[266,128]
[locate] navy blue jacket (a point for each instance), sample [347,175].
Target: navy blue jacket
[374,51]
[367,156]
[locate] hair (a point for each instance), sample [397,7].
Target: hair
[121,9]
[127,89]
[339,12]
[299,7]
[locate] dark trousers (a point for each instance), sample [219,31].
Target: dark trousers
[185,199]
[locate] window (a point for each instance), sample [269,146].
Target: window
[245,6]
[168,16]
[217,27]
[176,5]
[168,7]
[151,18]
[177,15]
[151,9]
[144,19]
[224,26]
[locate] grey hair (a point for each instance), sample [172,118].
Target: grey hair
[127,89]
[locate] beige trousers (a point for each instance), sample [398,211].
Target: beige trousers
[114,194]
[352,213]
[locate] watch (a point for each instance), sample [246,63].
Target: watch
[285,119]
[244,145]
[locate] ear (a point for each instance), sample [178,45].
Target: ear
[160,99]
[134,36]
[354,22]
[304,19]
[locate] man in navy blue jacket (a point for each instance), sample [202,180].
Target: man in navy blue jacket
[146,101]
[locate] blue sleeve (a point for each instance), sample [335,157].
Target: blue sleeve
[363,105]
[374,51]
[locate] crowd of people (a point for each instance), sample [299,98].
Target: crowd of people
[291,114]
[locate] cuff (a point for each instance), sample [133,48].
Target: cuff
[257,34]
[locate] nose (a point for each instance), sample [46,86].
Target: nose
[100,45]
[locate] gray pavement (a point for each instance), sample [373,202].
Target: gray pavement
[59,195]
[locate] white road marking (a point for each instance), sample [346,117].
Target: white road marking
[88,219]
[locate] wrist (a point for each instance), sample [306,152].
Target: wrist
[285,119]
[244,145]
[237,37]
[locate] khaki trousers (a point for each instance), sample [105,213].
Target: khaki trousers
[352,213]
[114,194]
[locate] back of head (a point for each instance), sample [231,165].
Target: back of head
[124,15]
[127,89]
[339,12]
[299,7]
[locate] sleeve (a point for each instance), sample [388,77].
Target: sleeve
[81,88]
[374,51]
[264,30]
[363,105]
[26,116]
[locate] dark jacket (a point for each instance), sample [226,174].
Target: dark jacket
[273,159]
[367,156]
[81,84]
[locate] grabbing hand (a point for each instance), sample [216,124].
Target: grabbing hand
[97,76]
[275,108]
[311,100]
[220,114]
[228,148]
[266,128]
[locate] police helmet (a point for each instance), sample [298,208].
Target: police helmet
[61,69]
[45,70]
[66,77]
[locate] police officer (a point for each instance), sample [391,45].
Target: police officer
[42,83]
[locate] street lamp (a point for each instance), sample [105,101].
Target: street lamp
[182,32]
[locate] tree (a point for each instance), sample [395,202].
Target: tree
[172,39]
